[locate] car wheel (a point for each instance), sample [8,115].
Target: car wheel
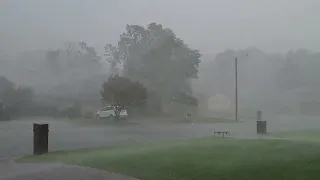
[97,117]
[110,117]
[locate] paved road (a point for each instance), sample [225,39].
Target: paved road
[30,171]
[16,136]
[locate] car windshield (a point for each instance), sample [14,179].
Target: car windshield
[107,108]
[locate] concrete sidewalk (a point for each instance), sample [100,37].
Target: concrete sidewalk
[10,170]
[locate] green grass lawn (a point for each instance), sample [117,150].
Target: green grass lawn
[310,135]
[202,159]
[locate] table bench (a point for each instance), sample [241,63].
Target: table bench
[220,132]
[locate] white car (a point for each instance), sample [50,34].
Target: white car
[108,112]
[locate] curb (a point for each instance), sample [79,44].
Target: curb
[10,159]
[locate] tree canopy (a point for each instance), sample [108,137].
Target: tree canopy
[121,92]
[157,58]
[18,97]
[5,85]
[72,55]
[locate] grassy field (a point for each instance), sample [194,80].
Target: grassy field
[202,159]
[311,135]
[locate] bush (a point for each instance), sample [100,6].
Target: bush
[73,111]
[40,110]
[34,110]
[88,115]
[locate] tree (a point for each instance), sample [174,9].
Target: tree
[113,57]
[157,58]
[19,97]
[187,99]
[71,67]
[120,92]
[73,55]
[5,85]
[52,59]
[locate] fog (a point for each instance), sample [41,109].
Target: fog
[66,50]
[208,25]
[123,73]
[270,81]
[272,32]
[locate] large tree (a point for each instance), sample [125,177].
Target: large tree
[75,69]
[5,85]
[72,55]
[52,60]
[17,97]
[121,92]
[20,97]
[157,58]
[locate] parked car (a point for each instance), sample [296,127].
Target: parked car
[108,112]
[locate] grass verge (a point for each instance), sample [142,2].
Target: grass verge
[310,135]
[203,159]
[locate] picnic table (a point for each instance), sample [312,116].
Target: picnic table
[223,133]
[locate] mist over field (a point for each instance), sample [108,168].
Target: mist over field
[180,89]
[56,59]
[280,37]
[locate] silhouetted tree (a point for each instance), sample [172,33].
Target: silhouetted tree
[16,98]
[121,92]
[19,97]
[72,55]
[52,59]
[157,58]
[5,85]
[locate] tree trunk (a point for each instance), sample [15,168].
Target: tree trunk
[117,111]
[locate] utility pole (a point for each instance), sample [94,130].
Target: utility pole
[236,82]
[236,85]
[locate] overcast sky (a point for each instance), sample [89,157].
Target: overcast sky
[208,25]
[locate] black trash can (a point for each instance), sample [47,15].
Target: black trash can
[40,138]
[262,127]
